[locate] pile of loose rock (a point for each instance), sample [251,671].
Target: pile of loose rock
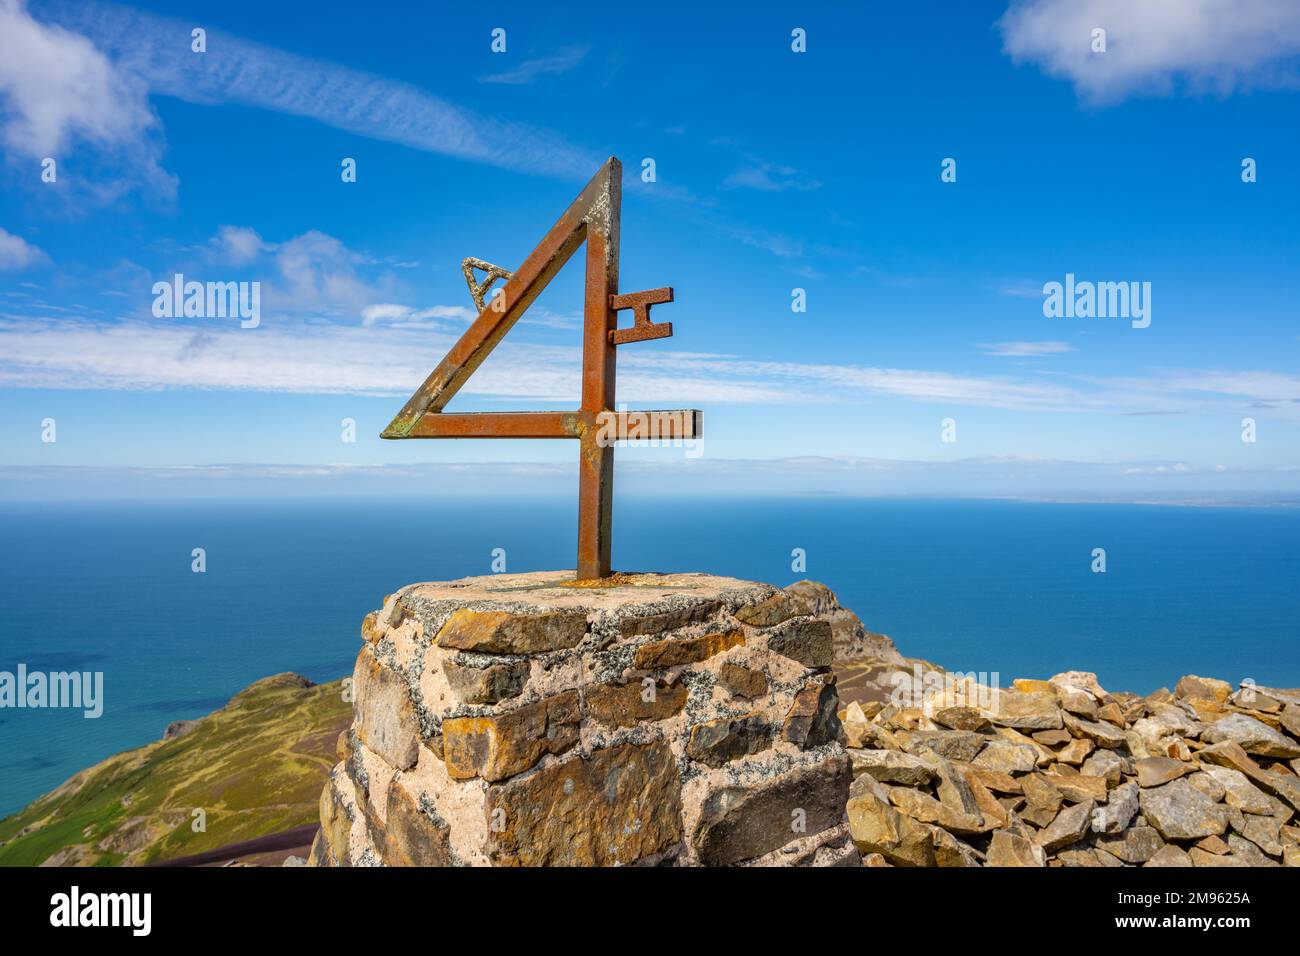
[1062,773]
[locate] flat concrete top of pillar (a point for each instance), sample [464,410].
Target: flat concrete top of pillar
[561,589]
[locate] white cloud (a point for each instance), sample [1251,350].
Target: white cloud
[59,92]
[317,270]
[396,349]
[318,358]
[768,177]
[530,70]
[405,314]
[1025,349]
[310,272]
[237,245]
[1155,46]
[1258,386]
[17,253]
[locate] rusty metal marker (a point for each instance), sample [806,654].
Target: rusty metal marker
[592,218]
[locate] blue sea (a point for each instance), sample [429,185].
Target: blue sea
[995,586]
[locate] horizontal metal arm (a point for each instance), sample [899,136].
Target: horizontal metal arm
[492,425]
[610,427]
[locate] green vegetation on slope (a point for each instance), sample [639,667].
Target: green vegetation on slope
[255,767]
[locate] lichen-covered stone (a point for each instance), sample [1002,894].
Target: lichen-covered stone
[385,719]
[742,822]
[502,745]
[769,612]
[631,720]
[670,619]
[486,685]
[512,632]
[806,640]
[741,681]
[371,632]
[715,742]
[812,719]
[414,833]
[622,705]
[617,806]
[673,651]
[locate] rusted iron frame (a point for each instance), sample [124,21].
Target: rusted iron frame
[594,217]
[500,315]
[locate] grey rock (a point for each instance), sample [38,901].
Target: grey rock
[1181,812]
[1253,736]
[1119,811]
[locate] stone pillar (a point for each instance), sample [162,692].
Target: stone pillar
[530,720]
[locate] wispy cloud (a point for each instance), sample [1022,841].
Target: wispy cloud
[17,253]
[153,54]
[393,353]
[1155,46]
[768,177]
[1022,289]
[1025,349]
[405,315]
[529,70]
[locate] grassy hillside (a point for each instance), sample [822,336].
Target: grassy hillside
[256,767]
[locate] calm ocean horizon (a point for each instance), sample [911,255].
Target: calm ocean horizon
[1002,587]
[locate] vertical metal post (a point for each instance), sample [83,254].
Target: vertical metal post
[596,463]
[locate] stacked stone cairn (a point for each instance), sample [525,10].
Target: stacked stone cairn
[527,720]
[1062,773]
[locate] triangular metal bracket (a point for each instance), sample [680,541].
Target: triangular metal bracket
[478,290]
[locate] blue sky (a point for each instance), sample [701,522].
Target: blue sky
[775,170]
